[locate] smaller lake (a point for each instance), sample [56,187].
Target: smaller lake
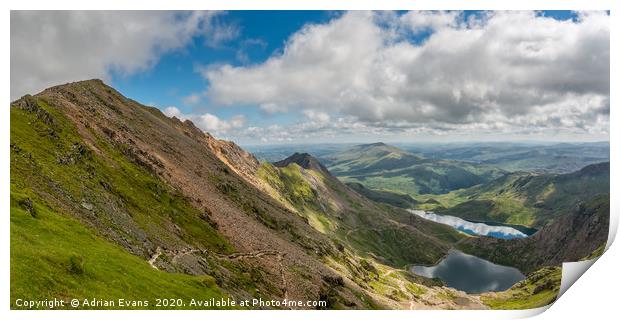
[472,228]
[471,274]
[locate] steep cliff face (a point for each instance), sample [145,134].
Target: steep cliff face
[164,191]
[242,162]
[571,237]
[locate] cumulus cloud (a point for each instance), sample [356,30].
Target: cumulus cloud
[418,21]
[192,99]
[498,71]
[209,122]
[317,116]
[52,47]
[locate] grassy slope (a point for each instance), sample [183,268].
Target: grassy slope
[539,289]
[98,178]
[56,256]
[524,199]
[294,189]
[396,199]
[55,171]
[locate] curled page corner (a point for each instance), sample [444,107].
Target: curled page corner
[571,271]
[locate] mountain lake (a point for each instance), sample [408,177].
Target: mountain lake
[470,274]
[474,228]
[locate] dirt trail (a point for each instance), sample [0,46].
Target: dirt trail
[175,254]
[154,258]
[253,254]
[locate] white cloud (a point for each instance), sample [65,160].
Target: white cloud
[418,21]
[174,112]
[209,122]
[317,116]
[53,47]
[500,71]
[192,99]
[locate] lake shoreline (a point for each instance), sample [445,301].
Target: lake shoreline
[481,275]
[472,228]
[529,231]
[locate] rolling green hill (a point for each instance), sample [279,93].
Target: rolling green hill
[383,167]
[404,201]
[527,199]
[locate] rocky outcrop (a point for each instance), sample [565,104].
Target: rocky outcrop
[305,161]
[241,161]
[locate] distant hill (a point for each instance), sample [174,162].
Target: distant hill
[383,167]
[515,156]
[528,199]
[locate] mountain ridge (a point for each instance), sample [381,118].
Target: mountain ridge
[94,137]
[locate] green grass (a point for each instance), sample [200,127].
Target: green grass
[293,188]
[396,199]
[396,245]
[289,181]
[539,289]
[596,253]
[53,256]
[393,184]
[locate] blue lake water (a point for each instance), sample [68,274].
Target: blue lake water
[472,228]
[470,274]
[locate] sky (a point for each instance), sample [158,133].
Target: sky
[270,77]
